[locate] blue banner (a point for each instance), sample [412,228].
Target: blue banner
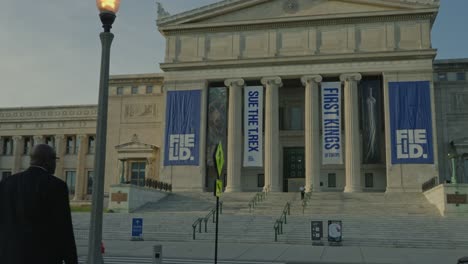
[411,122]
[182,140]
[137,228]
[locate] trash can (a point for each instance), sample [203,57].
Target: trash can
[157,254]
[463,260]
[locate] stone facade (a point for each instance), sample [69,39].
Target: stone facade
[283,41]
[289,47]
[70,129]
[451,94]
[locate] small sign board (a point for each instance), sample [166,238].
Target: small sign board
[137,229]
[219,158]
[119,197]
[335,229]
[316,228]
[456,199]
[219,188]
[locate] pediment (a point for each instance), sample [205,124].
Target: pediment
[232,11]
[135,146]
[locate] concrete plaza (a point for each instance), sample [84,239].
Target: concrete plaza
[280,253]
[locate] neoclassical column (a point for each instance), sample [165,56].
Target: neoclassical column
[60,146]
[312,132]
[234,144]
[1,145]
[351,117]
[272,149]
[38,140]
[17,152]
[80,188]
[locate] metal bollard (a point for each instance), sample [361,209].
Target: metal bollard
[199,224]
[157,254]
[206,225]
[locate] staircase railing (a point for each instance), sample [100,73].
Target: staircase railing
[259,197]
[278,227]
[305,201]
[198,222]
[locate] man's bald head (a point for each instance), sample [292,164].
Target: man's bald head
[44,156]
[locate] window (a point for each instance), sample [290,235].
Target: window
[4,175]
[120,90]
[442,76]
[91,145]
[461,76]
[70,180]
[149,89]
[291,118]
[331,180]
[260,180]
[49,140]
[27,145]
[296,118]
[70,145]
[138,173]
[89,188]
[7,146]
[134,89]
[369,180]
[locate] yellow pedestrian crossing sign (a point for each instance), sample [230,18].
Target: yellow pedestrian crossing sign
[219,157]
[219,188]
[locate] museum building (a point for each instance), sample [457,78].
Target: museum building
[333,95]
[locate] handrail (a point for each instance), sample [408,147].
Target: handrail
[205,219]
[261,196]
[306,200]
[194,226]
[278,227]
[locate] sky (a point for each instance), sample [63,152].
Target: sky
[50,49]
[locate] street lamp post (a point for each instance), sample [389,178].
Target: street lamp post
[108,10]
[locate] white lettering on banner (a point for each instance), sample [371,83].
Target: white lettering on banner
[180,146]
[331,123]
[253,126]
[410,143]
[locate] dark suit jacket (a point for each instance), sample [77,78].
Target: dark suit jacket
[35,219]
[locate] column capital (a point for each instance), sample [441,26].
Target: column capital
[59,137]
[17,138]
[38,139]
[350,77]
[82,136]
[272,81]
[306,79]
[234,82]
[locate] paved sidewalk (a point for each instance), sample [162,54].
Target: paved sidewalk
[299,254]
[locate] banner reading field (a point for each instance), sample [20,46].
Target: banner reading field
[331,123]
[253,126]
[182,139]
[411,122]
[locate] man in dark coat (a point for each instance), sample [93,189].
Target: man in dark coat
[35,218]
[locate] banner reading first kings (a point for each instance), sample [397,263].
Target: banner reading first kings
[331,123]
[253,126]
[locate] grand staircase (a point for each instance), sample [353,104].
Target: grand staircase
[369,219]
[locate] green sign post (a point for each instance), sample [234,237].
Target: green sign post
[219,159]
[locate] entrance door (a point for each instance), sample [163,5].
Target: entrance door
[294,169]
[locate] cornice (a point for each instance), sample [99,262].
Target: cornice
[290,22]
[259,62]
[130,80]
[45,114]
